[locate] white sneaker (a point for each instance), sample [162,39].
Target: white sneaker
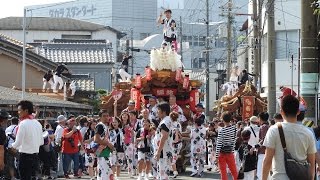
[131,175]
[139,178]
[142,174]
[175,174]
[150,176]
[193,174]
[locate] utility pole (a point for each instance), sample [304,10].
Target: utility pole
[309,68]
[207,62]
[254,43]
[259,44]
[23,79]
[131,32]
[229,29]
[181,53]
[271,59]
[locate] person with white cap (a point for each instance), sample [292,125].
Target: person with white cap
[254,129]
[61,120]
[131,107]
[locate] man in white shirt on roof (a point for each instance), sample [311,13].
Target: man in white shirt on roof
[28,141]
[61,120]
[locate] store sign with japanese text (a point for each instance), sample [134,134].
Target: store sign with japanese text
[247,109]
[73,11]
[164,91]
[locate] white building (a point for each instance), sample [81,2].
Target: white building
[41,29]
[287,26]
[87,48]
[140,16]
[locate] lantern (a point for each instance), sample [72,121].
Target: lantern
[178,74]
[148,73]
[138,81]
[138,100]
[186,82]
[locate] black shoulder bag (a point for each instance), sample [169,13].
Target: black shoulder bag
[228,148]
[295,170]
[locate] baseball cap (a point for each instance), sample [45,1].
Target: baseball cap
[61,118]
[254,119]
[200,105]
[4,114]
[168,10]
[153,97]
[131,102]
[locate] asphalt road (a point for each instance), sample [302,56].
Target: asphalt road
[184,176]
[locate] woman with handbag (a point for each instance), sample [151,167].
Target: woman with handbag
[225,147]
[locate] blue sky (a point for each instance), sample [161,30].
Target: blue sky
[15,7]
[171,3]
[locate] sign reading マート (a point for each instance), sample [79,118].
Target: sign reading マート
[73,11]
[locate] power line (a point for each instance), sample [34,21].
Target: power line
[288,13]
[285,28]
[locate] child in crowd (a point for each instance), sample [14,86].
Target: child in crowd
[154,147]
[212,134]
[247,156]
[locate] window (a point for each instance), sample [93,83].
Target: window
[75,36]
[202,43]
[184,38]
[39,41]
[202,38]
